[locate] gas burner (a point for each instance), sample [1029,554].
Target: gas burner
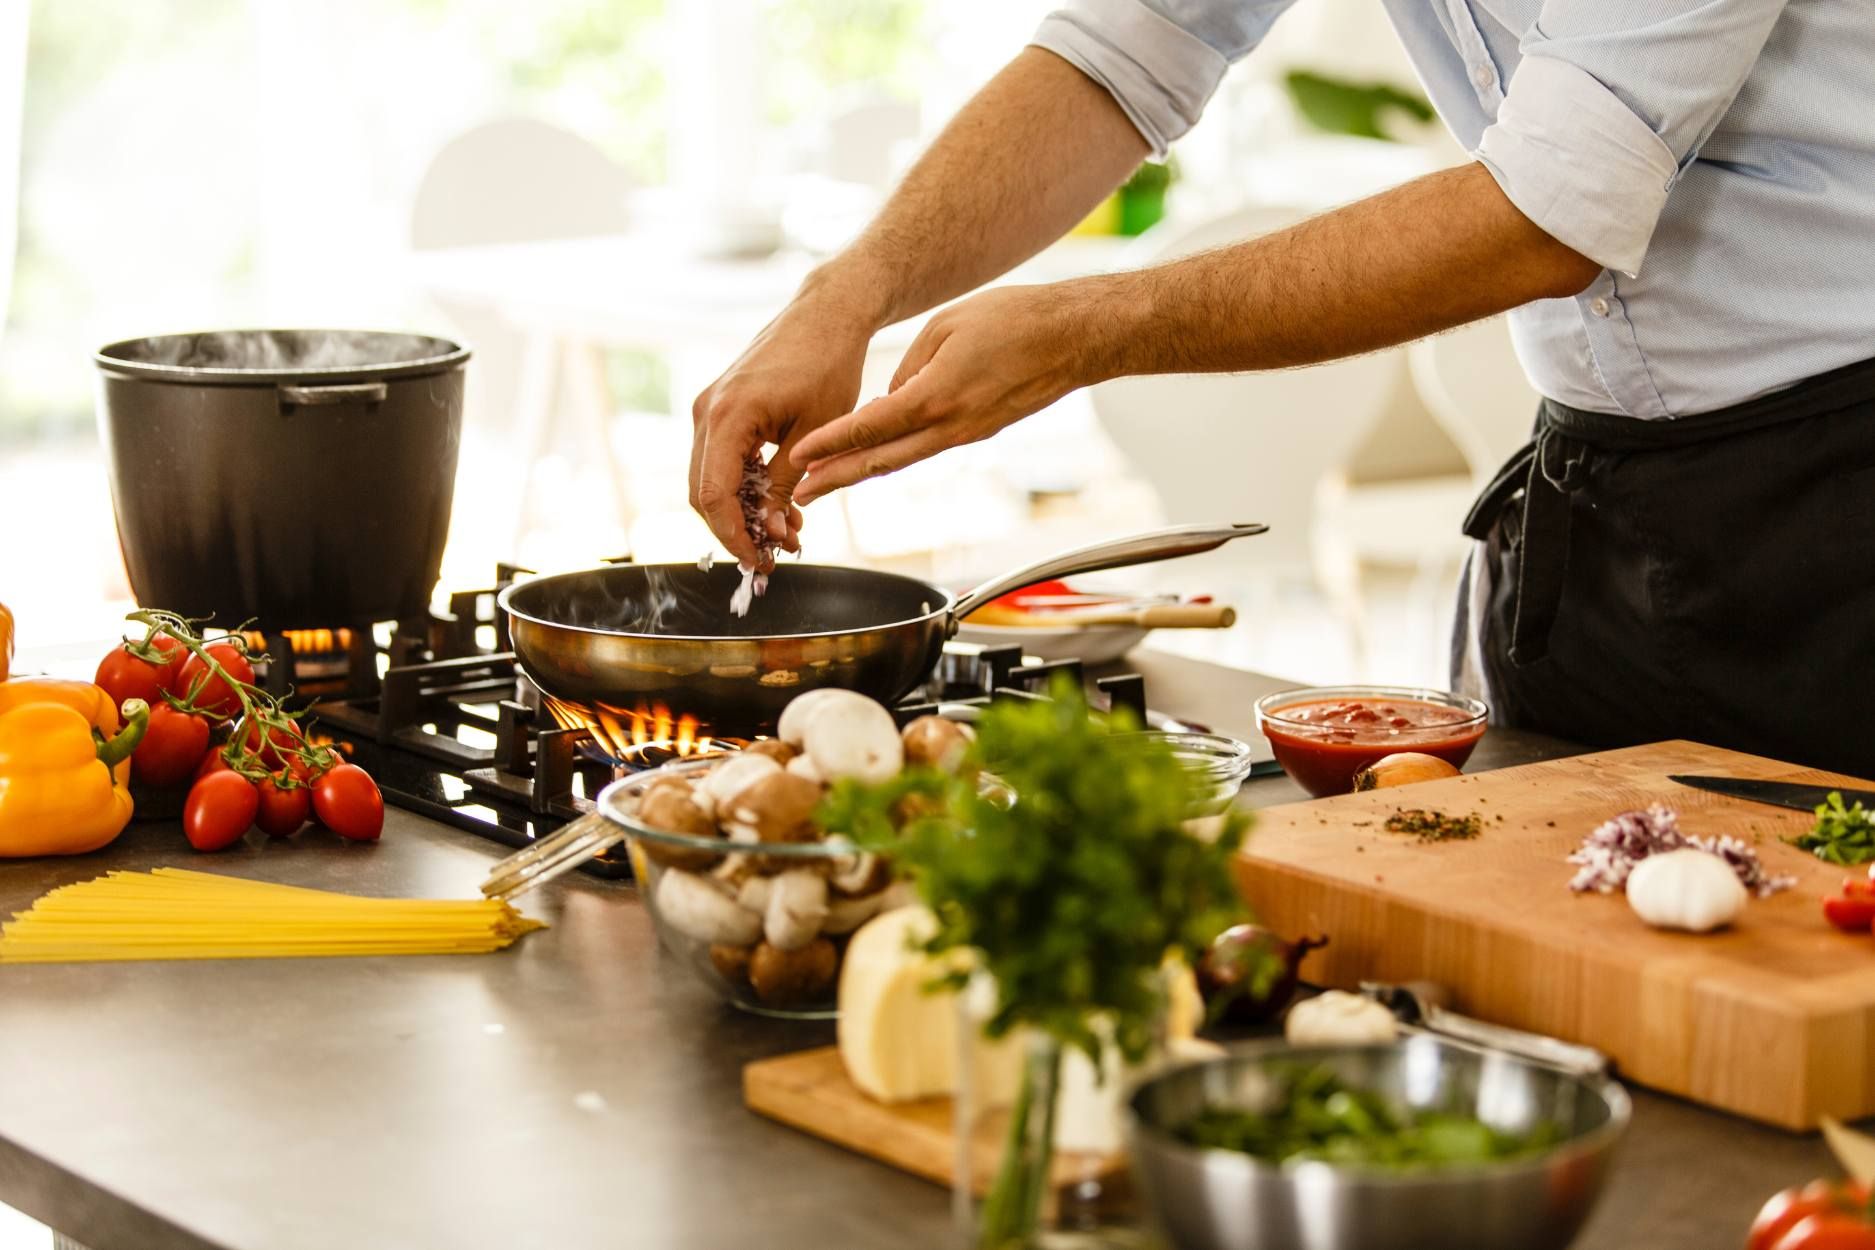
[438,711]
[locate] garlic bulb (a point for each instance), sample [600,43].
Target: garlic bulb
[1686,889]
[1338,1018]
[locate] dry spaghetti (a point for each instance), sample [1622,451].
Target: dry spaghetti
[173,913]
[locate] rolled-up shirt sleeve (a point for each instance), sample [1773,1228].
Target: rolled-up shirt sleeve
[1611,100]
[1161,60]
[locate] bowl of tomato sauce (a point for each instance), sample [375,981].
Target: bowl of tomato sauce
[1324,735]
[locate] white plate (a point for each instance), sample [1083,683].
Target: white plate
[1090,644]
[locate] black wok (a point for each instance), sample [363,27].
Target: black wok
[633,636]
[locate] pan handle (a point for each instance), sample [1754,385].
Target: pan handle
[1166,544]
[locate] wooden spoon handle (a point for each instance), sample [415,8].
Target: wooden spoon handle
[1159,616]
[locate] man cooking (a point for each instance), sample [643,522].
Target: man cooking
[1675,198]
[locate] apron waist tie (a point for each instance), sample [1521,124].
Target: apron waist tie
[1569,442]
[1549,469]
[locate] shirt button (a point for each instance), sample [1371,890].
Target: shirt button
[1482,75]
[1599,306]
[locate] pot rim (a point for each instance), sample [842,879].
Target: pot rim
[108,361]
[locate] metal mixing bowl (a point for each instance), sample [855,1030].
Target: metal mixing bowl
[1223,1200]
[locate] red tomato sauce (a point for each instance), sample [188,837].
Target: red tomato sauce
[1322,745]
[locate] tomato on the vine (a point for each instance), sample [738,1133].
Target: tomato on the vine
[283,809]
[213,762]
[219,810]
[347,802]
[1834,1230]
[172,746]
[273,742]
[1786,1210]
[126,676]
[205,688]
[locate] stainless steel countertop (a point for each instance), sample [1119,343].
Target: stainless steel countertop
[574,1091]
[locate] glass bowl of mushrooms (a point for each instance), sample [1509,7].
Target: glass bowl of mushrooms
[741,882]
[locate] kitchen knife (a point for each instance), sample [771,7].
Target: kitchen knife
[1777,793]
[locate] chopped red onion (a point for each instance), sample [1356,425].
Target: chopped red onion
[1609,854]
[752,494]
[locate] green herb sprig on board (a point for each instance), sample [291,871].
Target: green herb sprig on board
[1074,884]
[1842,835]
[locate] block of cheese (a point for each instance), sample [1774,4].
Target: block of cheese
[898,1041]
[1088,1114]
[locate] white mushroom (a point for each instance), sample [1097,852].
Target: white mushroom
[733,871]
[797,907]
[860,873]
[802,766]
[846,914]
[730,777]
[802,711]
[699,908]
[753,894]
[857,740]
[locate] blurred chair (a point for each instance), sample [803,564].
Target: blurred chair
[1473,387]
[520,180]
[1244,447]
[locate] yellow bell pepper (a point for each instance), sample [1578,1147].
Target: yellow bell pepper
[6,641]
[64,766]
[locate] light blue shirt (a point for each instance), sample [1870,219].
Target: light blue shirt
[1717,157]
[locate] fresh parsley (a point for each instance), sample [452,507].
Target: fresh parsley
[1074,883]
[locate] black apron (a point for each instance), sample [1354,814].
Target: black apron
[1707,577]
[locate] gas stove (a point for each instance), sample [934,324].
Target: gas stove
[438,711]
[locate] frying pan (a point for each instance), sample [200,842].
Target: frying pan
[633,636]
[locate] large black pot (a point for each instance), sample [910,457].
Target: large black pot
[298,477]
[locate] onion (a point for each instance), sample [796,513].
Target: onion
[1249,973]
[1402,769]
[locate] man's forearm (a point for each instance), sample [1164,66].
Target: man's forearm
[1427,256]
[1030,155]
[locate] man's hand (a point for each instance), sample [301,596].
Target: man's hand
[801,371]
[976,367]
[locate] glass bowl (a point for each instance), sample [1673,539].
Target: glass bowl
[725,940]
[1323,758]
[1221,763]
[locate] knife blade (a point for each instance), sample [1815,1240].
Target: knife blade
[1804,798]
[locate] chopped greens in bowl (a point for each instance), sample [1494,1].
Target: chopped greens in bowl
[1319,1117]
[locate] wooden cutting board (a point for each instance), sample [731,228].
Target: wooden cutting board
[1773,1018]
[809,1090]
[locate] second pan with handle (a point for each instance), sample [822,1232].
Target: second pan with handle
[633,636]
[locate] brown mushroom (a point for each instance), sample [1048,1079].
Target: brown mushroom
[731,962]
[778,808]
[774,748]
[672,809]
[789,978]
[934,742]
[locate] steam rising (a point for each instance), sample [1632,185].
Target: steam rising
[282,351]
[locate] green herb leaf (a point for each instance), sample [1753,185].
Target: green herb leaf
[1841,835]
[1073,892]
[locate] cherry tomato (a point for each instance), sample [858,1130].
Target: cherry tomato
[125,676]
[213,762]
[1791,1207]
[213,695]
[283,810]
[1833,1230]
[219,810]
[1859,887]
[1852,913]
[172,746]
[272,743]
[347,802]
